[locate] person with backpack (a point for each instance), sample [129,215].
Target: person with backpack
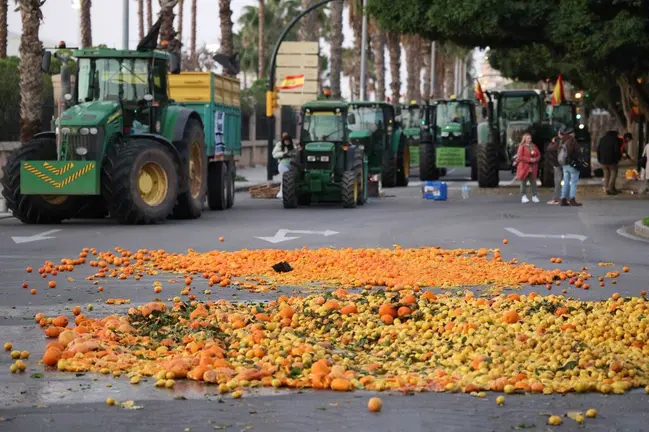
[610,150]
[527,167]
[552,154]
[569,158]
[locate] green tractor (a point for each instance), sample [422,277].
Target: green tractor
[567,114]
[511,114]
[380,134]
[326,166]
[452,140]
[122,146]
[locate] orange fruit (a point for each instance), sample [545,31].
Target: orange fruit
[51,356]
[76,310]
[32,291]
[51,284]
[29,269]
[221,239]
[374,404]
[511,317]
[505,241]
[625,269]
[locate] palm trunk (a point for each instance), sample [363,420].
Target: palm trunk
[140,18]
[181,6]
[394,48]
[225,16]
[4,8]
[86,24]
[416,51]
[410,44]
[425,55]
[192,42]
[440,71]
[309,24]
[261,50]
[336,48]
[149,15]
[167,27]
[378,46]
[449,73]
[357,27]
[31,81]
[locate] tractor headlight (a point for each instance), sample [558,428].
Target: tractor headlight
[65,131]
[84,131]
[445,134]
[81,151]
[324,158]
[310,158]
[93,131]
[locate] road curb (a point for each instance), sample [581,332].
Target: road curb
[641,230]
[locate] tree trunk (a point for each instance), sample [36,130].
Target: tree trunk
[86,24]
[309,23]
[378,46]
[225,16]
[261,50]
[140,18]
[149,15]
[357,28]
[425,55]
[413,67]
[167,27]
[31,82]
[449,76]
[181,7]
[394,48]
[192,41]
[440,70]
[336,60]
[4,8]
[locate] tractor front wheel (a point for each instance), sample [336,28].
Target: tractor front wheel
[140,182]
[35,209]
[389,171]
[427,165]
[191,200]
[289,189]
[488,166]
[349,189]
[403,163]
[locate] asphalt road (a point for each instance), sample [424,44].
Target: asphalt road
[64,401]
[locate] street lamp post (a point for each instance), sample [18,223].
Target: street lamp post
[364,53]
[125,15]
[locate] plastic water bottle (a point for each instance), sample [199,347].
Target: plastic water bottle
[465,192]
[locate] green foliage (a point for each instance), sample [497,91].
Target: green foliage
[254,95]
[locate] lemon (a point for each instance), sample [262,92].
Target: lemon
[500,400]
[591,413]
[554,420]
[110,401]
[8,346]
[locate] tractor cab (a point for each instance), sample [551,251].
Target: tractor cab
[455,121]
[412,118]
[323,133]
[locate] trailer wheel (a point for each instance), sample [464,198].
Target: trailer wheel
[217,186]
[35,209]
[191,200]
[140,182]
[349,189]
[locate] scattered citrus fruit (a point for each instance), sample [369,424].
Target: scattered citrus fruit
[375,404]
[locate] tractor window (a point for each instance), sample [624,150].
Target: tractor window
[159,75]
[113,79]
[367,118]
[453,112]
[561,115]
[322,126]
[412,117]
[520,108]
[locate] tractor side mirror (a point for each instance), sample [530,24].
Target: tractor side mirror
[174,63]
[47,60]
[351,119]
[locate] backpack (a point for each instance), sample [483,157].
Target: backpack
[563,154]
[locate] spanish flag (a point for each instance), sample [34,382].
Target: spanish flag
[479,94]
[558,96]
[291,82]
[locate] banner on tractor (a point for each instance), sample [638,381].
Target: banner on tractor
[558,96]
[59,178]
[450,157]
[292,82]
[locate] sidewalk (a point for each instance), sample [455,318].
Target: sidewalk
[253,177]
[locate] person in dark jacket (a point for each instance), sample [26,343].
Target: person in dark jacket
[570,173]
[610,150]
[552,153]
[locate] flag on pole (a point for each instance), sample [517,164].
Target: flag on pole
[479,94]
[558,96]
[291,82]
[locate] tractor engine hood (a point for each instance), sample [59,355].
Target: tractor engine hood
[91,114]
[412,132]
[452,128]
[320,146]
[359,134]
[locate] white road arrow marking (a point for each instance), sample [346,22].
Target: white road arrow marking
[556,236]
[280,235]
[36,237]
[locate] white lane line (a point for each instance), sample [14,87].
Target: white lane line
[547,236]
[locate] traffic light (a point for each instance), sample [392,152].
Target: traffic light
[271,102]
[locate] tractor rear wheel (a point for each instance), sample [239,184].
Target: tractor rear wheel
[427,165]
[140,182]
[289,189]
[389,171]
[217,186]
[360,172]
[191,200]
[349,190]
[488,166]
[403,163]
[35,209]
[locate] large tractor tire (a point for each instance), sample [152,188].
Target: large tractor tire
[428,170]
[140,182]
[192,199]
[35,209]
[217,186]
[93,208]
[488,166]
[389,171]
[232,174]
[349,190]
[289,189]
[403,164]
[360,172]
[474,170]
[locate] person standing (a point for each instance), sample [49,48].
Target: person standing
[644,162]
[609,153]
[552,154]
[569,155]
[527,167]
[282,152]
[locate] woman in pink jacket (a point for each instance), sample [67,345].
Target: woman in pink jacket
[527,166]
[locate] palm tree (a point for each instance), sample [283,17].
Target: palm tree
[149,15]
[86,24]
[140,18]
[192,40]
[4,7]
[394,48]
[412,44]
[181,4]
[167,27]
[261,19]
[349,65]
[336,47]
[356,23]
[379,41]
[227,42]
[425,55]
[31,82]
[309,23]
